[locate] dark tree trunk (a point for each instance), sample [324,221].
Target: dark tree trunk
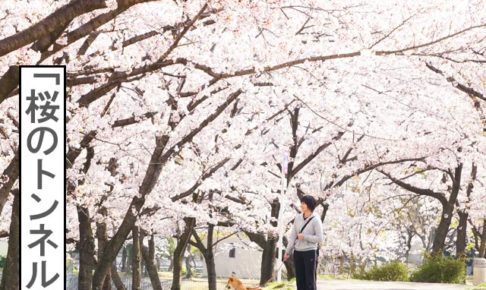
[461,240]
[157,263]
[208,254]
[148,257]
[262,242]
[8,82]
[408,242]
[269,247]
[289,264]
[86,249]
[143,267]
[11,172]
[102,238]
[177,265]
[269,250]
[10,275]
[442,230]
[482,248]
[171,265]
[188,263]
[129,257]
[325,209]
[182,242]
[268,261]
[136,259]
[447,212]
[124,260]
[116,278]
[211,267]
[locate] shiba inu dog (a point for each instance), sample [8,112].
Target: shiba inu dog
[235,284]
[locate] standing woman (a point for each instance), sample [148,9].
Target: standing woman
[304,242]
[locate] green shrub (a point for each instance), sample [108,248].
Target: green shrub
[392,271]
[440,269]
[2,261]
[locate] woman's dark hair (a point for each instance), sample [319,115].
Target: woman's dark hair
[310,201]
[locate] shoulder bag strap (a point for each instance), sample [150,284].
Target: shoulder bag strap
[306,224]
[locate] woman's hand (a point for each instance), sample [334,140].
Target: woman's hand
[300,236]
[286,257]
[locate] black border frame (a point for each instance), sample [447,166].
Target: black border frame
[64,83]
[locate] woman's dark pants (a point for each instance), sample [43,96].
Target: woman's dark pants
[305,269]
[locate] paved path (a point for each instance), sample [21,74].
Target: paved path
[371,285]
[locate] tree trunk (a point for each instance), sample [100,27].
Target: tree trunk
[115,244]
[157,263]
[461,240]
[10,275]
[259,239]
[102,238]
[116,278]
[211,267]
[8,82]
[447,211]
[409,244]
[11,172]
[177,265]
[188,264]
[124,260]
[268,261]
[129,258]
[171,265]
[325,209]
[182,242]
[143,267]
[209,258]
[442,230]
[289,264]
[207,252]
[86,250]
[136,274]
[148,257]
[482,248]
[269,250]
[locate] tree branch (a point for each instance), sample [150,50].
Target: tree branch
[59,18]
[420,191]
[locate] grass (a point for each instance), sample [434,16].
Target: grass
[202,283]
[333,277]
[285,285]
[481,286]
[197,283]
[165,275]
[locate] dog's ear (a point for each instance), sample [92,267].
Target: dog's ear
[231,279]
